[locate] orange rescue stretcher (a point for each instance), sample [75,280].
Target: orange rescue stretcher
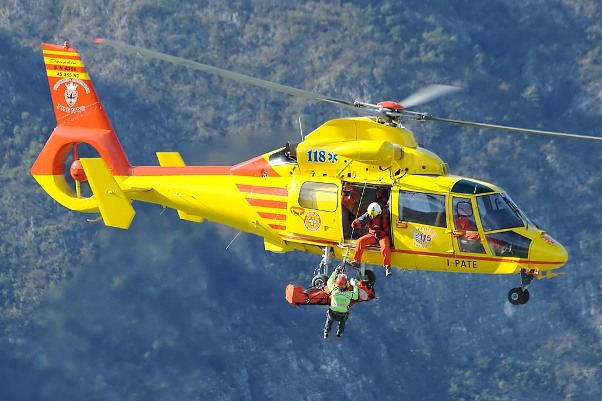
[319,294]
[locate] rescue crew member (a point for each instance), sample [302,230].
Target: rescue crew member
[350,199]
[340,300]
[465,220]
[382,198]
[379,232]
[470,240]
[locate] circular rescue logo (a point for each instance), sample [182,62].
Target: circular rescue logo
[312,221]
[423,237]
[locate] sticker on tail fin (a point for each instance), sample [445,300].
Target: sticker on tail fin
[73,96]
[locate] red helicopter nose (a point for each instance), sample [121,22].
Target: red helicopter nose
[77,171]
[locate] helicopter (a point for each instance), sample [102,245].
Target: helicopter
[304,195]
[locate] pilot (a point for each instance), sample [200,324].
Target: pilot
[470,240]
[350,199]
[379,232]
[340,301]
[465,220]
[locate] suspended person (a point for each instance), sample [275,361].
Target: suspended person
[340,301]
[379,232]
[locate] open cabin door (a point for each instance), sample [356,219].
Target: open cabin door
[314,209]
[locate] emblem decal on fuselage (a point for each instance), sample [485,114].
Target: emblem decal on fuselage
[312,221]
[423,237]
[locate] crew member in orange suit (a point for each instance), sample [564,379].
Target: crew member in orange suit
[465,221]
[470,240]
[379,232]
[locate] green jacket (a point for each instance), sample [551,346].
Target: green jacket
[340,299]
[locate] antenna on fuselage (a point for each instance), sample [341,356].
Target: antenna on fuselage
[233,239]
[301,128]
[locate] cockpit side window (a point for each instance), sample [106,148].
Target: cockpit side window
[469,239]
[464,215]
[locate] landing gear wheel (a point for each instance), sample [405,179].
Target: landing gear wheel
[370,276]
[518,296]
[319,280]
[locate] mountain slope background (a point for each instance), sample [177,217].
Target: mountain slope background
[164,311]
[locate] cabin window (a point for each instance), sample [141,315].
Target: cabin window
[422,208]
[319,196]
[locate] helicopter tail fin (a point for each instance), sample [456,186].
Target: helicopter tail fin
[80,118]
[75,100]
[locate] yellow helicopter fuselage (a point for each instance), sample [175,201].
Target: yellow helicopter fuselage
[293,196]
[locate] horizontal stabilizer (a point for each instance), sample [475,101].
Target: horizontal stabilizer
[115,207]
[170,159]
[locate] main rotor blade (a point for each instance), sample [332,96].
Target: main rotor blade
[426,117]
[223,73]
[427,94]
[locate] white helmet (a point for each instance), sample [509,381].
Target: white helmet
[374,209]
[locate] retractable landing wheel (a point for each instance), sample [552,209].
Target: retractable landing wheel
[518,296]
[319,280]
[370,277]
[321,272]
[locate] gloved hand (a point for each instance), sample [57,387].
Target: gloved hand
[339,269]
[356,224]
[353,281]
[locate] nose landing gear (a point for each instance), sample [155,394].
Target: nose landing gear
[520,295]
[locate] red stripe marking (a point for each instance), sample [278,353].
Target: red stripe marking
[53,67]
[277,227]
[272,216]
[267,203]
[182,170]
[488,259]
[256,189]
[453,255]
[255,167]
[441,255]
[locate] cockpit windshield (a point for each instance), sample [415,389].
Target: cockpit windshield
[498,213]
[517,209]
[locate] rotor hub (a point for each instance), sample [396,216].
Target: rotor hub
[388,104]
[77,171]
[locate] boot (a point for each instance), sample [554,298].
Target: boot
[388,270]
